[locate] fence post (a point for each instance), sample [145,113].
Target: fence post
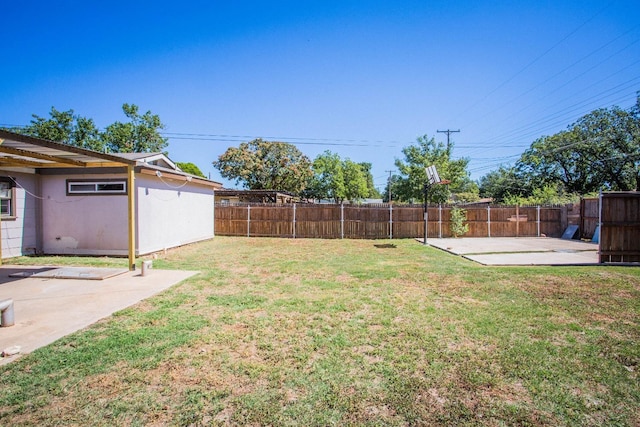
[440,220]
[294,220]
[390,221]
[342,220]
[489,220]
[214,213]
[538,220]
[600,260]
[248,220]
[517,220]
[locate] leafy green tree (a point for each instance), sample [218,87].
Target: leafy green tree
[466,197]
[141,134]
[612,140]
[372,191]
[64,127]
[327,181]
[601,151]
[355,181]
[502,183]
[264,165]
[390,189]
[550,194]
[339,180]
[412,172]
[190,168]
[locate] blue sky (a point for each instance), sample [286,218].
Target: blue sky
[362,79]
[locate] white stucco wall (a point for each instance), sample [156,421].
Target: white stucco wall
[19,234]
[172,214]
[82,224]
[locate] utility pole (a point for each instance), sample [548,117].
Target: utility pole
[389,185]
[448,132]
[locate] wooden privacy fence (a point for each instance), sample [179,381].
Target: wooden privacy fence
[383,222]
[620,227]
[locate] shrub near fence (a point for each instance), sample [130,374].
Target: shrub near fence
[382,222]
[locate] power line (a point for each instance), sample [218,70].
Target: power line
[605,60]
[564,116]
[537,58]
[328,141]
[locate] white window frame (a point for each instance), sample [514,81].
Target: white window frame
[96,187]
[8,194]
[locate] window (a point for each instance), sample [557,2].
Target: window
[7,197]
[96,187]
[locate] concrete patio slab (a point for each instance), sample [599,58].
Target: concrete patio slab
[521,250]
[89,273]
[47,309]
[537,258]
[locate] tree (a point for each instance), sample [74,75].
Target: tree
[373,192]
[141,134]
[355,181]
[412,172]
[612,139]
[327,181]
[601,151]
[191,168]
[550,194]
[264,165]
[502,183]
[64,127]
[390,189]
[338,180]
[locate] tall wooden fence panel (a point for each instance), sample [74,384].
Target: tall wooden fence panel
[382,222]
[589,217]
[551,221]
[321,221]
[620,227]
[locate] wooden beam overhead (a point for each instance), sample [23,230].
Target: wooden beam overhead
[13,162]
[41,156]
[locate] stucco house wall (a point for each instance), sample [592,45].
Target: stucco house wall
[172,213]
[20,232]
[82,224]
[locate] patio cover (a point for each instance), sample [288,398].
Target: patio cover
[28,152]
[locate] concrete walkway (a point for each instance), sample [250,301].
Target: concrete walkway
[520,250]
[47,309]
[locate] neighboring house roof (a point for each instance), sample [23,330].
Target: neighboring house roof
[271,196]
[157,159]
[23,151]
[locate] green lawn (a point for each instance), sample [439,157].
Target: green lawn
[341,332]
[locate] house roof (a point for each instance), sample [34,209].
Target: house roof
[29,152]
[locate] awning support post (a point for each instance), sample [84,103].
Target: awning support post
[132,217]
